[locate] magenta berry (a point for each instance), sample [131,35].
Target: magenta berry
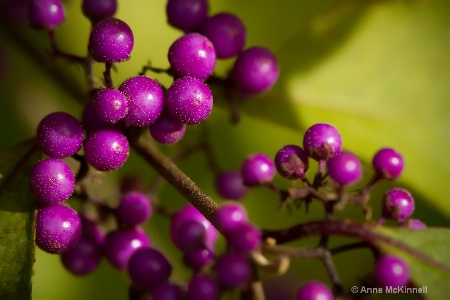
[229,216]
[120,245]
[95,10]
[167,291]
[91,122]
[189,236]
[145,100]
[203,287]
[255,70]
[227,33]
[233,270]
[59,135]
[244,238]
[58,228]
[106,150]
[388,163]
[229,185]
[415,224]
[46,14]
[187,15]
[398,204]
[51,181]
[110,105]
[83,258]
[189,100]
[257,169]
[291,162]
[148,267]
[111,41]
[192,55]
[391,271]
[167,130]
[345,168]
[314,290]
[197,258]
[322,141]
[134,209]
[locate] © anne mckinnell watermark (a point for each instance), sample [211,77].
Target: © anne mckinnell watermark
[389,290]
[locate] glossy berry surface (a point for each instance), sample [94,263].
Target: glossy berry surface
[190,213]
[291,162]
[245,238]
[192,55]
[203,287]
[148,267]
[110,105]
[229,216]
[167,130]
[398,204]
[345,168]
[391,271]
[91,122]
[120,245]
[111,41]
[229,185]
[189,100]
[145,100]
[187,15]
[233,270]
[58,228]
[95,10]
[51,181]
[106,150]
[314,290]
[257,169]
[388,163]
[46,14]
[134,208]
[322,141]
[59,135]
[83,258]
[189,236]
[197,258]
[255,70]
[227,33]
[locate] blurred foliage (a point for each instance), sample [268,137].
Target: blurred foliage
[377,70]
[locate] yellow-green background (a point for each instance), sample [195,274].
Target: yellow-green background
[377,70]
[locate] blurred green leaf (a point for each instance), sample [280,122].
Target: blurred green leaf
[16,221]
[427,257]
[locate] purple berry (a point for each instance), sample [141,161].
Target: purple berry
[83,258]
[59,135]
[92,230]
[190,235]
[192,55]
[148,267]
[51,181]
[190,213]
[91,122]
[257,169]
[167,130]
[46,14]
[145,100]
[120,245]
[227,33]
[203,287]
[391,271]
[106,150]
[189,100]
[95,10]
[322,141]
[197,258]
[229,185]
[134,209]
[388,163]
[255,70]
[229,216]
[244,238]
[398,204]
[111,41]
[345,168]
[58,228]
[314,290]
[110,105]
[291,162]
[167,291]
[187,15]
[415,224]
[233,270]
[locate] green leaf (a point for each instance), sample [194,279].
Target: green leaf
[16,221]
[427,254]
[378,71]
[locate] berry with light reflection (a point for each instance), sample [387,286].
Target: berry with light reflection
[398,204]
[322,141]
[388,163]
[345,168]
[257,169]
